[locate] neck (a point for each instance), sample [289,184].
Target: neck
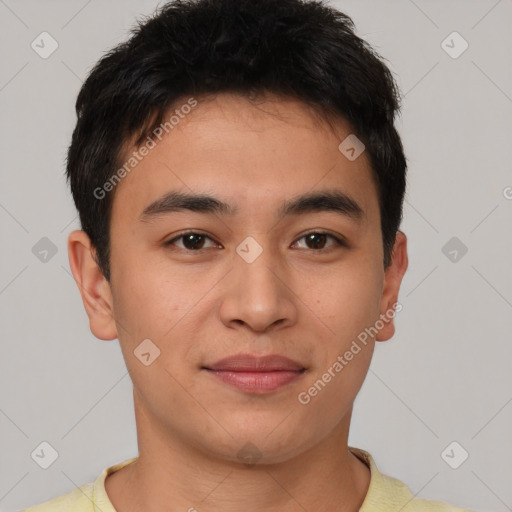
[171,473]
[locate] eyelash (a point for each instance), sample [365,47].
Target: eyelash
[338,241]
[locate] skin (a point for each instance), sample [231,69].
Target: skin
[295,299]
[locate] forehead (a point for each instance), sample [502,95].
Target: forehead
[248,153]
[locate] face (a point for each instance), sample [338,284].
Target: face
[246,251]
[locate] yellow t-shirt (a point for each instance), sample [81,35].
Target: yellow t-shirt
[385,494]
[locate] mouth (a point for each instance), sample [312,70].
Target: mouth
[256,375]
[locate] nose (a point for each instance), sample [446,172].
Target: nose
[258,295]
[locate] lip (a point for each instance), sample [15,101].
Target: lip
[256,374]
[250,363]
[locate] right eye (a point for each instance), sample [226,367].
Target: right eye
[190,241]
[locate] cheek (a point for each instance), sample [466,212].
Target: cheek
[349,300]
[342,362]
[147,301]
[152,304]
[150,307]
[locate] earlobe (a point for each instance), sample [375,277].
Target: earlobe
[93,287]
[392,282]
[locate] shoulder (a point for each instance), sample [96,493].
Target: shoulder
[78,500]
[388,494]
[89,497]
[398,494]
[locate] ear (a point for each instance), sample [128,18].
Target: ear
[392,281]
[94,288]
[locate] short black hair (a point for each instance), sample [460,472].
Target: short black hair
[299,49]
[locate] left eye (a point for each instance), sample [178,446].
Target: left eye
[317,241]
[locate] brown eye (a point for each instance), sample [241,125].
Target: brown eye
[190,241]
[319,241]
[193,241]
[316,240]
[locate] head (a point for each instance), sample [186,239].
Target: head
[222,214]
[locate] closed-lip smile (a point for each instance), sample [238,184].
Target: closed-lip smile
[256,374]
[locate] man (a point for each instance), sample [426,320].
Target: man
[240,182]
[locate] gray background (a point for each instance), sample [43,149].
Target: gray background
[444,377]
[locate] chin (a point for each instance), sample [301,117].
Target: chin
[260,442]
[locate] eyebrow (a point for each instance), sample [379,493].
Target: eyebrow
[322,201]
